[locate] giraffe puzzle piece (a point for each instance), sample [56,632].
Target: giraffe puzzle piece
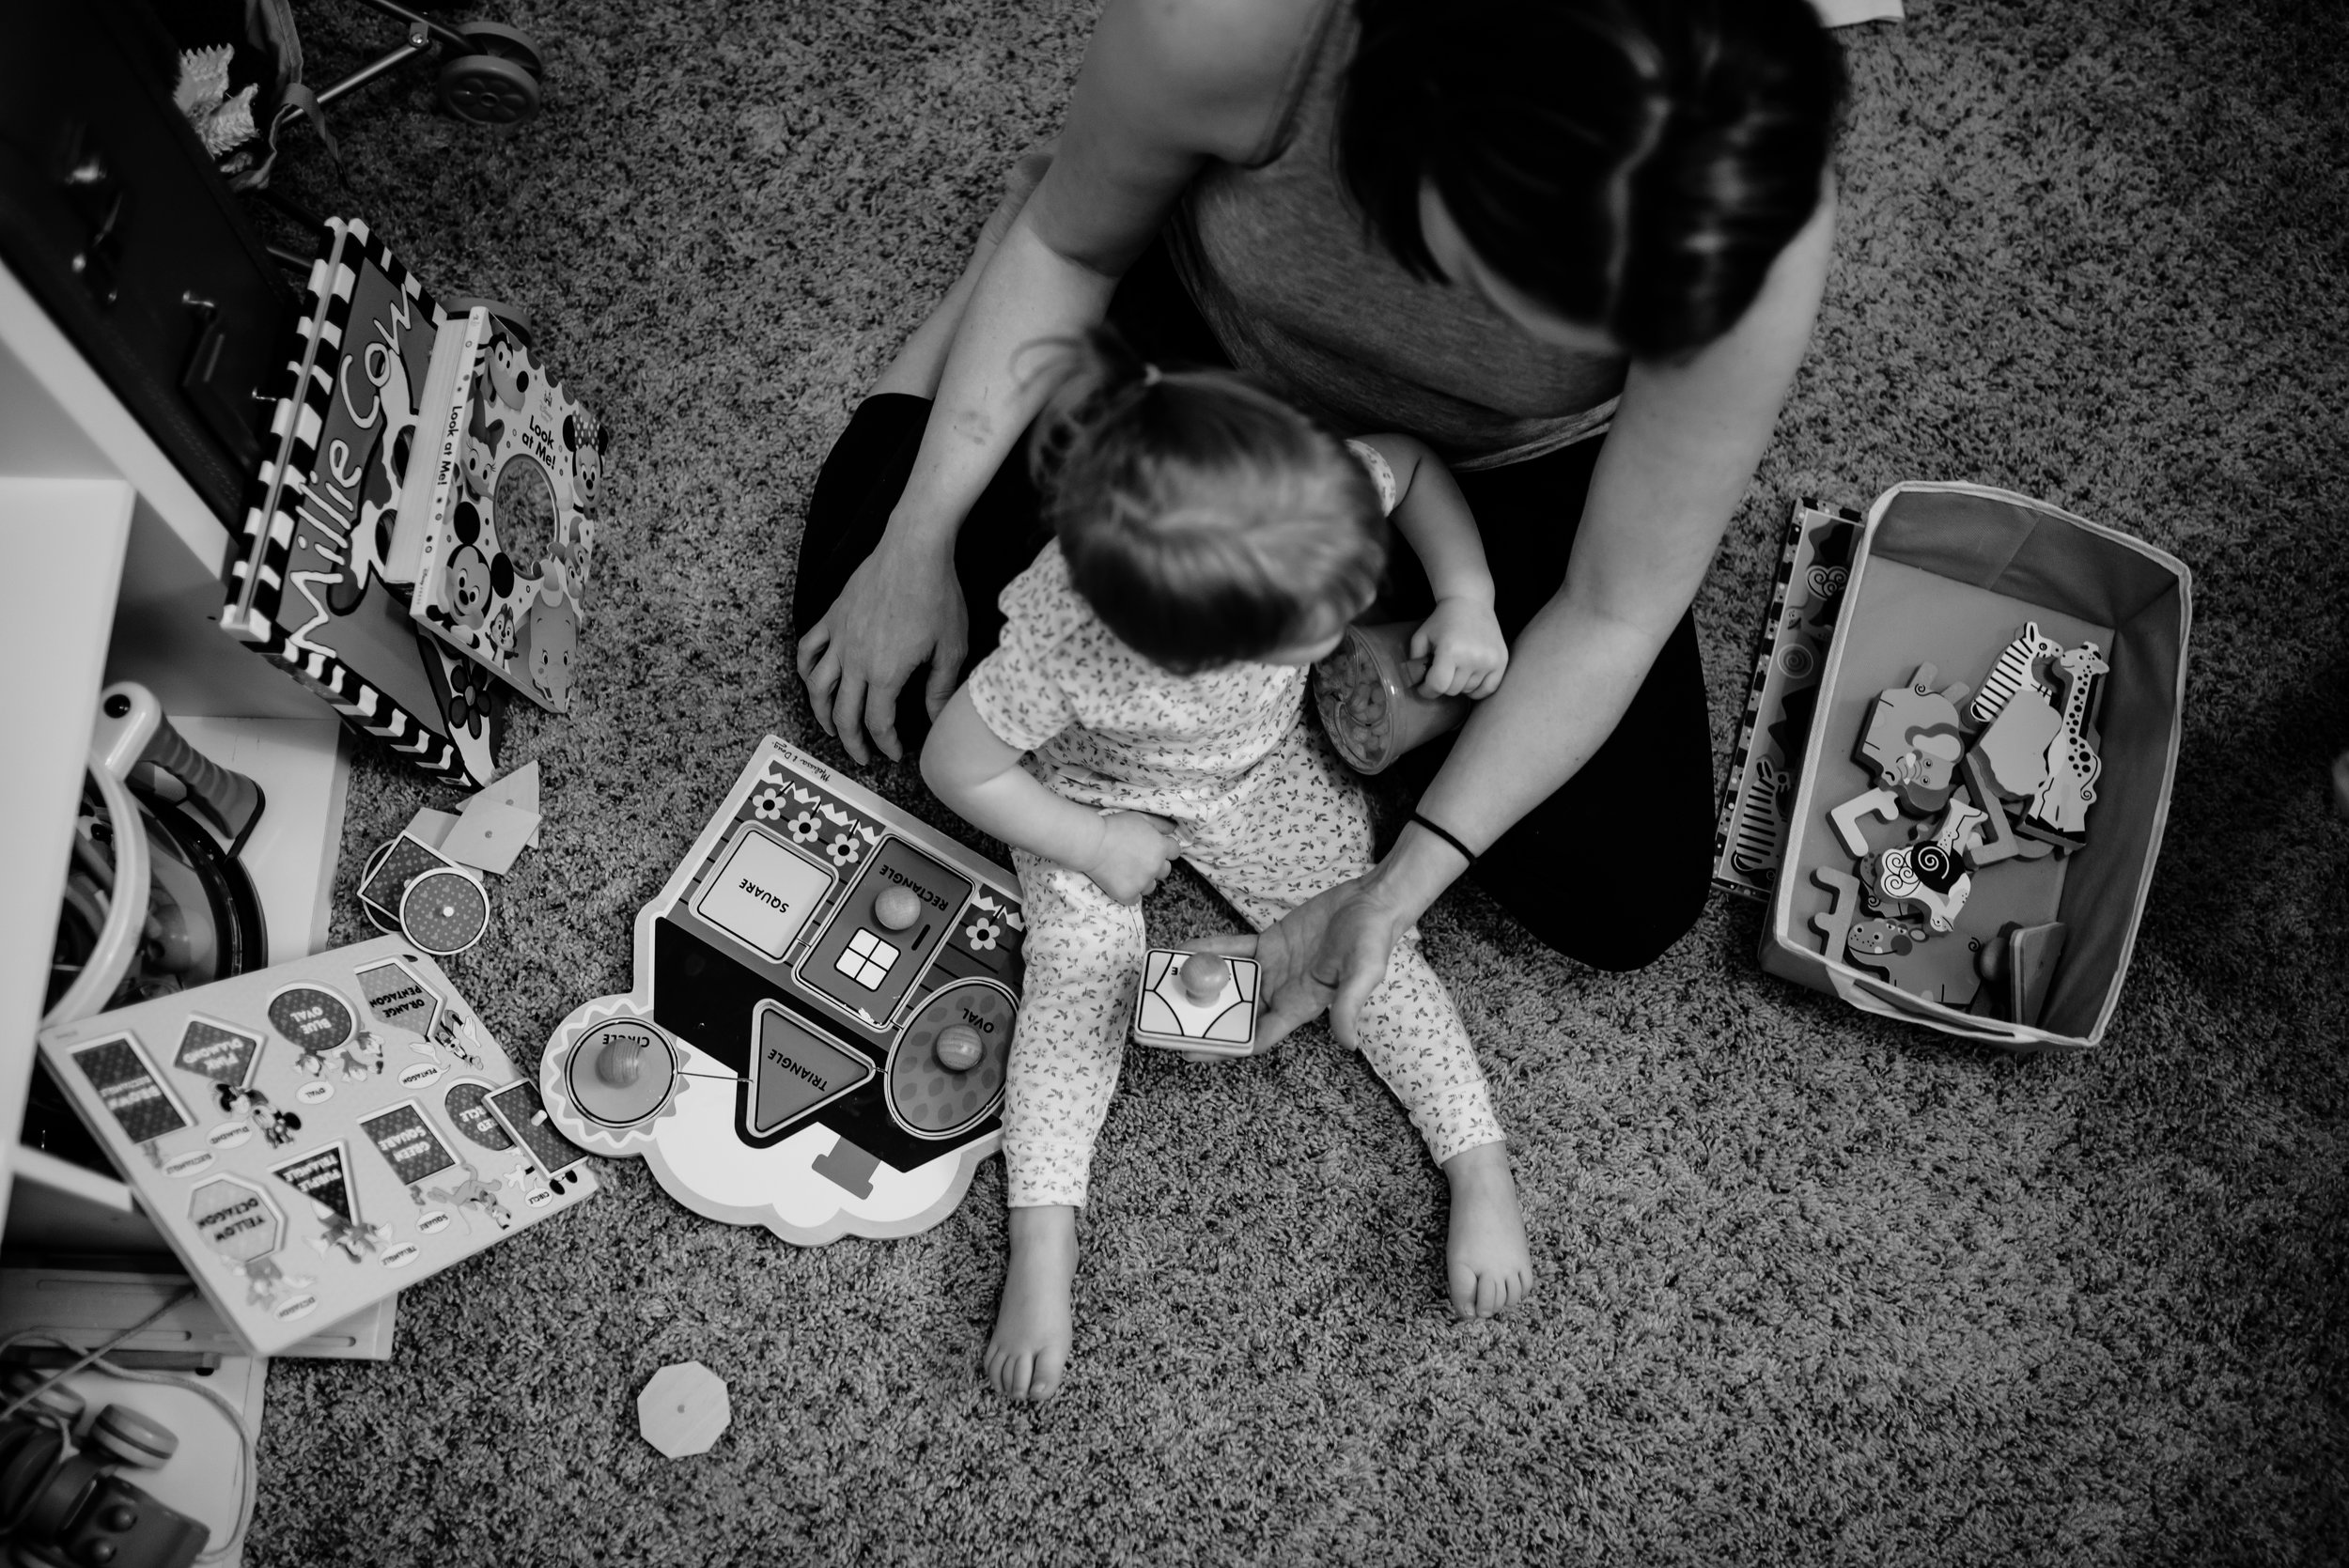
[2069,788]
[1913,742]
[1939,970]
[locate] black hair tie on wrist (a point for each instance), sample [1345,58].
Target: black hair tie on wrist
[1447,835]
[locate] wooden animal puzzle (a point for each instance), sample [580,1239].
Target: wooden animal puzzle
[1198,1003]
[2011,775]
[314,1136]
[825,996]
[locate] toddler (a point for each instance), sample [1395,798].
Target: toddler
[1147,700]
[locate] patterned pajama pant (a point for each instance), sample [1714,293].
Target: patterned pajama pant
[1303,829]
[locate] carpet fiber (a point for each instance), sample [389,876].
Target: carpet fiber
[1814,1287]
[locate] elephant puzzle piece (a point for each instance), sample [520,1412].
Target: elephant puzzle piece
[826,993]
[1196,1003]
[1913,742]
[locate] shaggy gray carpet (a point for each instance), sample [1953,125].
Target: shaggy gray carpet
[1815,1288]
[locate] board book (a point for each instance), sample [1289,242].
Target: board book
[507,547]
[306,582]
[312,1137]
[780,1052]
[1757,800]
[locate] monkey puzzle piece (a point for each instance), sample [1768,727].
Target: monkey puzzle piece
[1176,1009]
[1940,969]
[684,1409]
[1835,922]
[1366,691]
[1913,742]
[2068,787]
[2019,965]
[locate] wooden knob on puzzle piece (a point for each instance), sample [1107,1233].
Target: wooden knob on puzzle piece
[1204,976]
[622,1062]
[897,908]
[959,1048]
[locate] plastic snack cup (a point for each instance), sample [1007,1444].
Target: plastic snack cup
[1368,694]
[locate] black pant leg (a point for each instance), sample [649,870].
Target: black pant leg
[1614,868]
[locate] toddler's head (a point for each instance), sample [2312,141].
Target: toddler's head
[1205,521]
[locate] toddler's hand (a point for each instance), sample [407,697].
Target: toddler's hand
[1464,649]
[1136,850]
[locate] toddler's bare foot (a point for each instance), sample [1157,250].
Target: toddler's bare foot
[1486,1261]
[1030,1350]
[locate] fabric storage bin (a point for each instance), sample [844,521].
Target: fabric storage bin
[1945,574]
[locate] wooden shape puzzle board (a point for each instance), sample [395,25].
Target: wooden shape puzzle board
[314,1136]
[782,1038]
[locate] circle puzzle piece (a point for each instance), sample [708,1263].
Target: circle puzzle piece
[622,1071]
[445,912]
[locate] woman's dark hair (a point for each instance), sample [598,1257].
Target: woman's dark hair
[1205,520]
[1636,165]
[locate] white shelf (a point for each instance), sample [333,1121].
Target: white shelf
[64,541]
[115,573]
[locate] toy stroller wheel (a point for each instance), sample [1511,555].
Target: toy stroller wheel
[489,90]
[506,44]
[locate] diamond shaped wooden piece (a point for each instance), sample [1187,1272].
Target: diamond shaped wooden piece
[684,1409]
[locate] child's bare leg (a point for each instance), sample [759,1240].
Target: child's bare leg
[1486,1261]
[1030,1350]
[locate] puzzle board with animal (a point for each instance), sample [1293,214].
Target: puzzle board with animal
[314,1136]
[1982,790]
[825,996]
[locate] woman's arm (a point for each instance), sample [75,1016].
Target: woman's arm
[1164,88]
[974,772]
[1682,449]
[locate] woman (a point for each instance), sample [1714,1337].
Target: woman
[1576,245]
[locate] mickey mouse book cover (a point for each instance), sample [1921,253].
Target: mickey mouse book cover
[306,587]
[506,563]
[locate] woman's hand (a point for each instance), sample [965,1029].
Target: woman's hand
[1329,951]
[1465,651]
[1136,850]
[901,608]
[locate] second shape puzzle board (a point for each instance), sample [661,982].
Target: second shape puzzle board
[792,980]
